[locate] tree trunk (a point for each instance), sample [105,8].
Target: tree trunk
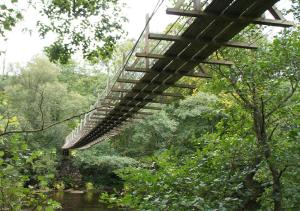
[262,141]
[277,192]
[256,190]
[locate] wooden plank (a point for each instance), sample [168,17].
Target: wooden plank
[177,95]
[141,107]
[106,109]
[96,115]
[189,74]
[160,101]
[233,44]
[139,112]
[133,81]
[139,70]
[276,13]
[95,120]
[153,56]
[160,56]
[128,81]
[200,14]
[122,109]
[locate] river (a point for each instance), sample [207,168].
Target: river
[81,202]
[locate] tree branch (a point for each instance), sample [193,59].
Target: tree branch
[283,102]
[282,171]
[236,88]
[48,126]
[273,131]
[41,109]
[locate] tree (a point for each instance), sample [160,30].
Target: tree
[265,84]
[91,27]
[295,9]
[23,170]
[38,88]
[10,15]
[87,80]
[245,156]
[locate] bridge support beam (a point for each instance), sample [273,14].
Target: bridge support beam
[160,56]
[133,81]
[176,95]
[200,14]
[188,74]
[276,13]
[233,44]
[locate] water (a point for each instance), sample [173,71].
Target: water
[81,202]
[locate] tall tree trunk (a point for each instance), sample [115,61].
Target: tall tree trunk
[256,189]
[262,141]
[277,191]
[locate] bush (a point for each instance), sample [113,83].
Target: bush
[101,170]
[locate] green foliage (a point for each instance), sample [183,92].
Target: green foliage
[84,80]
[60,186]
[89,186]
[21,173]
[10,15]
[174,126]
[53,95]
[235,150]
[91,27]
[98,165]
[58,52]
[232,146]
[29,161]
[295,9]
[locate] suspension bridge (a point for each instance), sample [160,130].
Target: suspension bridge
[152,73]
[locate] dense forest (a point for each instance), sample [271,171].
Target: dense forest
[231,144]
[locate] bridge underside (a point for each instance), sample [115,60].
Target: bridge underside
[211,29]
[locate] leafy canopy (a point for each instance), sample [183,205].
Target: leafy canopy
[90,28]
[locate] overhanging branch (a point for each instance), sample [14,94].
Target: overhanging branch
[43,128]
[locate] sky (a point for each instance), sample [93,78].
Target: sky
[22,47]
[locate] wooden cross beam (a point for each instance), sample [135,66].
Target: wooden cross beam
[146,70]
[138,70]
[95,116]
[139,112]
[177,95]
[141,107]
[160,56]
[104,109]
[276,13]
[160,101]
[201,14]
[233,44]
[133,81]
[95,119]
[120,111]
[115,119]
